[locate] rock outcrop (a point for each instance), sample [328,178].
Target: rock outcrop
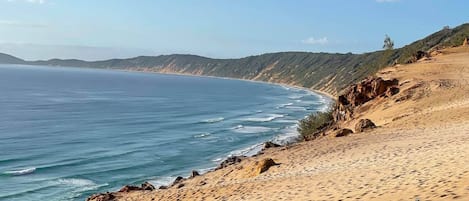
[358,94]
[363,125]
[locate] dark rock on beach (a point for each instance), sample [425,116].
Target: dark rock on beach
[147,186]
[194,174]
[144,187]
[270,144]
[102,197]
[230,161]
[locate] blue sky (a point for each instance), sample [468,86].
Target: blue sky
[103,29]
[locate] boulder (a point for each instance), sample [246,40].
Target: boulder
[144,187]
[264,165]
[343,132]
[178,180]
[364,124]
[102,197]
[147,186]
[194,174]
[128,188]
[270,144]
[230,161]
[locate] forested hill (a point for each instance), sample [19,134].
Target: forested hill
[321,71]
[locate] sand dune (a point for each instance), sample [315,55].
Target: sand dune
[420,150]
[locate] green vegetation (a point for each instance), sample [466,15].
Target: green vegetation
[388,43]
[311,126]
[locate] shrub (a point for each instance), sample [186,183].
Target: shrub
[311,126]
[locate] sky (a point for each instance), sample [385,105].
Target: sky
[104,29]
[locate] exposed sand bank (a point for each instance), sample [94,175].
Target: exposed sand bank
[419,150]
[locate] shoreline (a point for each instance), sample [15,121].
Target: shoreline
[330,96]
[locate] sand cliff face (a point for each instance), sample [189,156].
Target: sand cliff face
[419,151]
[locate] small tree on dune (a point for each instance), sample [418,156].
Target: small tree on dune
[388,47]
[388,43]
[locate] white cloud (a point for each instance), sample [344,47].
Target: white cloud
[315,41]
[387,1]
[29,1]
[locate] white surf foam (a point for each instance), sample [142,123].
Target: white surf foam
[284,105]
[76,182]
[264,119]
[251,129]
[202,135]
[21,171]
[296,108]
[162,181]
[248,151]
[296,96]
[214,120]
[288,136]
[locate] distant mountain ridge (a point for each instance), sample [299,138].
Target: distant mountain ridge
[327,72]
[8,59]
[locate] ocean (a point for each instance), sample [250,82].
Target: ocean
[66,133]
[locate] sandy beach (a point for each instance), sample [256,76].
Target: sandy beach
[418,152]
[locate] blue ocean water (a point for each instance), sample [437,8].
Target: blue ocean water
[66,133]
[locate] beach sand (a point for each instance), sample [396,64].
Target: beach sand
[420,150]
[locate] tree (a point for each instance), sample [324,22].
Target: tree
[388,43]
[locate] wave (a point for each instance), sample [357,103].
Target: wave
[202,135]
[75,182]
[264,119]
[77,186]
[284,105]
[20,172]
[297,96]
[214,120]
[288,136]
[161,181]
[285,87]
[296,108]
[248,151]
[251,129]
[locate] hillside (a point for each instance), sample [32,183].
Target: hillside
[326,72]
[8,59]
